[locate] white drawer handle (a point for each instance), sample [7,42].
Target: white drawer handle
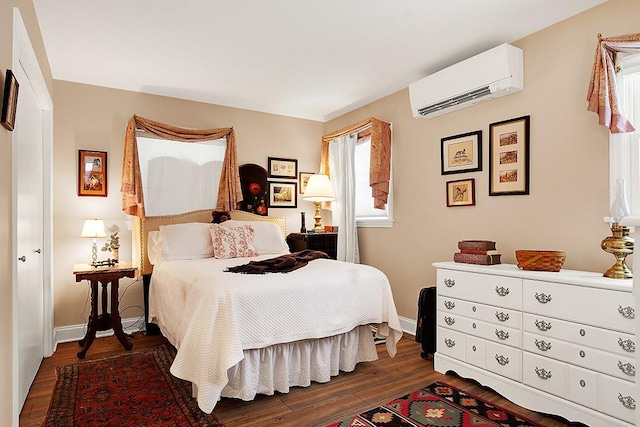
[627,368]
[449,283]
[627,401]
[449,343]
[627,312]
[542,325]
[502,360]
[449,320]
[627,345]
[543,374]
[502,334]
[502,291]
[543,298]
[501,316]
[450,304]
[542,345]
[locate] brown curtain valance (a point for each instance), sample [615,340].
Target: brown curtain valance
[380,165]
[603,96]
[229,192]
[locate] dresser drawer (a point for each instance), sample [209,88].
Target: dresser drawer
[616,342]
[616,398]
[498,333]
[600,307]
[545,374]
[586,357]
[483,288]
[503,360]
[487,313]
[451,343]
[475,351]
[583,386]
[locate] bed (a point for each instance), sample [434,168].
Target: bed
[238,335]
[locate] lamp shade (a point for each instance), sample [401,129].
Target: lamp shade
[319,189]
[93,227]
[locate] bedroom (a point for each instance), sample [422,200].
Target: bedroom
[89,117]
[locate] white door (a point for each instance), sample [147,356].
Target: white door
[29,184]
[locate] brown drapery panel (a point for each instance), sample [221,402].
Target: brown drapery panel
[603,94]
[380,166]
[229,192]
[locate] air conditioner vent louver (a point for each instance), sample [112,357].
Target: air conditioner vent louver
[466,97]
[491,74]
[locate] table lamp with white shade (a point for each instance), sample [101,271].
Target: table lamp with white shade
[319,189]
[93,228]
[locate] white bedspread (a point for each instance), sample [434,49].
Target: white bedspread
[212,316]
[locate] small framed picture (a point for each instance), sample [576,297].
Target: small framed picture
[303,178]
[92,173]
[509,157]
[461,192]
[283,194]
[283,168]
[9,101]
[461,153]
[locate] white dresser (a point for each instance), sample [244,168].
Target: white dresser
[559,343]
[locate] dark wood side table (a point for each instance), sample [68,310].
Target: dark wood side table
[326,242]
[105,320]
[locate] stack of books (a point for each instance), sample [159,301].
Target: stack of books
[482,252]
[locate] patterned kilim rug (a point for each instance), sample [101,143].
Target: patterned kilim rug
[437,405]
[132,389]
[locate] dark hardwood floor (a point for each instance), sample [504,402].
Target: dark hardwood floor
[370,384]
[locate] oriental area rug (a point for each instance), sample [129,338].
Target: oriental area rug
[437,405]
[132,389]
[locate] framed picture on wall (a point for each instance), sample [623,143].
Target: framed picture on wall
[9,101]
[92,173]
[461,153]
[283,194]
[283,168]
[303,178]
[509,157]
[461,192]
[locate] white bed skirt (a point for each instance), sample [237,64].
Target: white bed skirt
[279,367]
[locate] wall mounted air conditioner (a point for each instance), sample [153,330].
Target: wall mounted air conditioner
[488,75]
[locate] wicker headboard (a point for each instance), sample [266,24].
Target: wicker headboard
[141,230]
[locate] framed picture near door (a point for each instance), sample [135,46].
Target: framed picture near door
[9,101]
[92,173]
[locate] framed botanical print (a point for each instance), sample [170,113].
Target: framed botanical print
[92,173]
[509,157]
[283,168]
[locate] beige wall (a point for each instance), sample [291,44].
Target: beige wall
[6,200]
[569,165]
[95,118]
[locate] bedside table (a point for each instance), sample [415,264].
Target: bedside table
[105,276]
[325,242]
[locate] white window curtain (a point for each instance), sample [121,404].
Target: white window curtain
[624,148]
[343,209]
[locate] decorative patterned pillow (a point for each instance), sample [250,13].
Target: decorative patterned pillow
[232,242]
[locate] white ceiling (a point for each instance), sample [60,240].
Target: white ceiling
[300,58]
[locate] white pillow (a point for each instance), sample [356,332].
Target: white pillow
[267,236]
[154,247]
[232,242]
[186,241]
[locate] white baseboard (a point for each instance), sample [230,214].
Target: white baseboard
[408,325]
[77,332]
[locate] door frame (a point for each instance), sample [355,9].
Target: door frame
[24,56]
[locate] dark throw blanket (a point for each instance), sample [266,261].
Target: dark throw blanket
[281,264]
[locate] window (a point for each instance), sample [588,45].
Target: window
[366,214]
[624,149]
[179,176]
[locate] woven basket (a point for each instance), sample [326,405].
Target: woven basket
[540,260]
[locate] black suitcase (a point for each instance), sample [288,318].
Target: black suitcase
[426,324]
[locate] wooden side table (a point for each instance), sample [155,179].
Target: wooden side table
[105,320]
[325,242]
